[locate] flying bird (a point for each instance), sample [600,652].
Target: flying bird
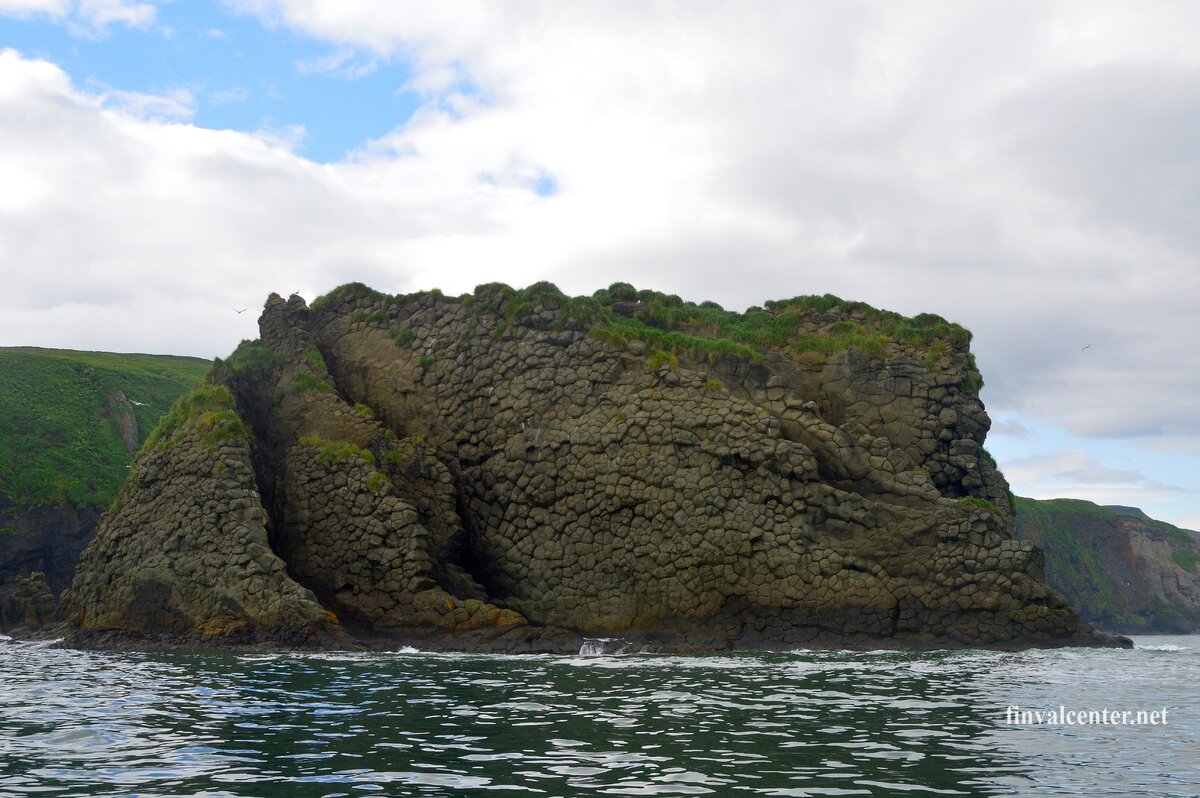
[239,312]
[1086,348]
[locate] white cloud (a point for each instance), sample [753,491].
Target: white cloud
[28,8]
[286,137]
[231,96]
[1081,476]
[88,18]
[1028,170]
[343,63]
[176,104]
[97,15]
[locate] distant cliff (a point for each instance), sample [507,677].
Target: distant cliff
[513,470]
[70,423]
[1122,570]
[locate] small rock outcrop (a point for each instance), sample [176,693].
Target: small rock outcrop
[29,604]
[517,470]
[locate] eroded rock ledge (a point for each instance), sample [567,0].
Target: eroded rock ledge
[518,470]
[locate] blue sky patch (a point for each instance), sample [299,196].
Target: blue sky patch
[241,75]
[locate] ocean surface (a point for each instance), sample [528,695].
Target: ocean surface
[598,724]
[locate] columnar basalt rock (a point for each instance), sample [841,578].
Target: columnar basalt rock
[184,550]
[512,470]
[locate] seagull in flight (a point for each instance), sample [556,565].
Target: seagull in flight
[1086,348]
[239,312]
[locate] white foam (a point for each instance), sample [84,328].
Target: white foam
[1164,647]
[599,646]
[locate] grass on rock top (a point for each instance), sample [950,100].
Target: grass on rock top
[56,445]
[812,325]
[207,407]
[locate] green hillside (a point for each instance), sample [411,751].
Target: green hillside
[66,431]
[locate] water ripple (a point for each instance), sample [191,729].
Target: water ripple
[411,723]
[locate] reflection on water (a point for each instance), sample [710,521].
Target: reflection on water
[410,723]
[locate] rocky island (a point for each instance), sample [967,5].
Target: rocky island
[520,470]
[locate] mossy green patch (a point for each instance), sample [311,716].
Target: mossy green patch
[307,382]
[810,328]
[797,325]
[658,358]
[347,293]
[982,504]
[1186,559]
[315,359]
[250,356]
[333,452]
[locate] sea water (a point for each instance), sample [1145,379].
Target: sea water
[805,723]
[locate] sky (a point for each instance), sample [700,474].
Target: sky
[1030,170]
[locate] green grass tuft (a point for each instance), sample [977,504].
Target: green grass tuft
[307,382]
[333,452]
[350,292]
[982,504]
[251,356]
[315,358]
[207,407]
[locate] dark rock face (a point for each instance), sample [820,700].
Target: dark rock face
[48,539]
[29,604]
[498,471]
[119,410]
[45,541]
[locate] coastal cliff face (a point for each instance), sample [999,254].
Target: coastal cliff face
[516,469]
[1122,570]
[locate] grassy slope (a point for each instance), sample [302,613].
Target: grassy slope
[56,445]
